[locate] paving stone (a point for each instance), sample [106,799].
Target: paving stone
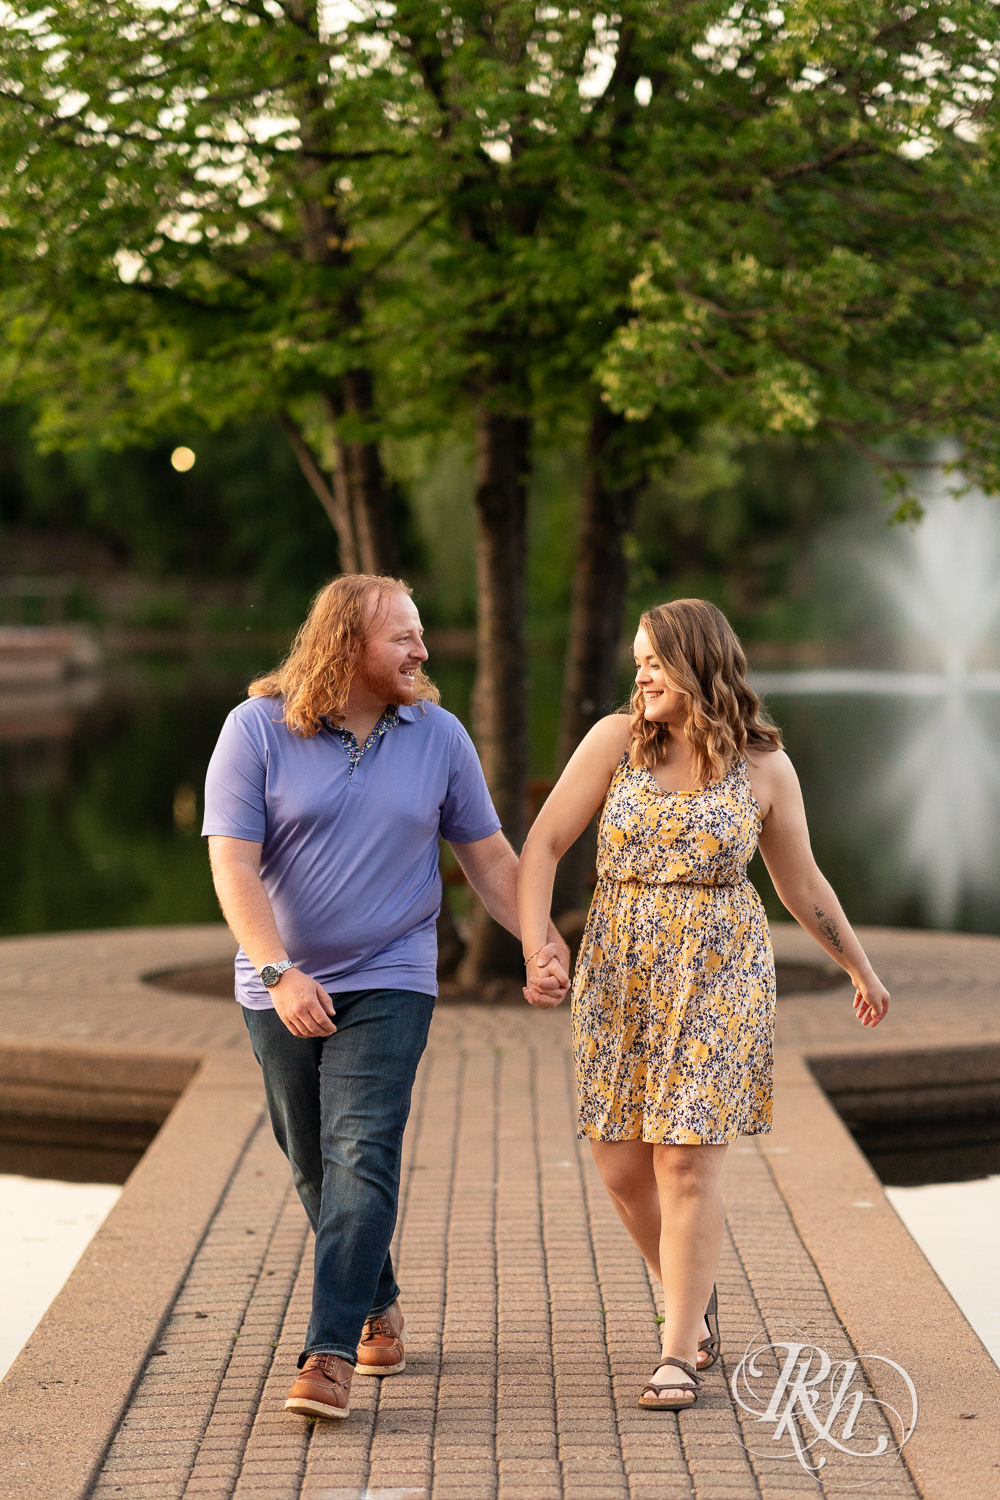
[531,1319]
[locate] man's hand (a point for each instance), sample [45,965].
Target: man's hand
[303,1005]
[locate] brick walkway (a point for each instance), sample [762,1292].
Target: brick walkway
[531,1321]
[162,1367]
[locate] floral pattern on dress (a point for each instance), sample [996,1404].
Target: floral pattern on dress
[673,994]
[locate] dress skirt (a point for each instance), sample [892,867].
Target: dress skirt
[673,1014]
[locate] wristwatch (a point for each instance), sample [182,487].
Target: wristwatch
[271,973]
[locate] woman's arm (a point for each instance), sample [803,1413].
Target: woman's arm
[568,809]
[801,886]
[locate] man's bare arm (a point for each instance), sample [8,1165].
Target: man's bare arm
[303,1005]
[490,866]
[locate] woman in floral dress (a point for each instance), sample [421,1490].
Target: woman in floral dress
[673,994]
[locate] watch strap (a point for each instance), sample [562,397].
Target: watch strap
[275,971]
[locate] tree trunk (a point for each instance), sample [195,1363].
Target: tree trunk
[354,493]
[600,579]
[499,705]
[361,476]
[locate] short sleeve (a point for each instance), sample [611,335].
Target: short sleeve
[235,783]
[468,812]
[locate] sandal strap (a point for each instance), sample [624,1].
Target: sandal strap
[712,1344]
[682,1364]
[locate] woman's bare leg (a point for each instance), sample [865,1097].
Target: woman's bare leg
[626,1169]
[691,1223]
[628,1172]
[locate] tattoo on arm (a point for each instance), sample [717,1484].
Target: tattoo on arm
[829,929]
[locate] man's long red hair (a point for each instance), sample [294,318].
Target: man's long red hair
[315,677]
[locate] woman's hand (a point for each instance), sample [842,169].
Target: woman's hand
[547,980]
[871,1000]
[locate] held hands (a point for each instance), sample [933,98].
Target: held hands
[547,975]
[871,1000]
[303,1005]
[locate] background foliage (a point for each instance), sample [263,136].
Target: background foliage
[557,309]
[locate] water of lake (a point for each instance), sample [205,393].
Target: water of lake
[45,1226]
[101,798]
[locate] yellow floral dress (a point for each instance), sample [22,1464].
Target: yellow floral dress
[673,995]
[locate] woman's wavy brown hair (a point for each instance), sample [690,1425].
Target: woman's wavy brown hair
[701,656]
[315,677]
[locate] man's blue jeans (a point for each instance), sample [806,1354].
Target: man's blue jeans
[338,1107]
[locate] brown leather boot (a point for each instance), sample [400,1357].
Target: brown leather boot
[380,1351]
[323,1387]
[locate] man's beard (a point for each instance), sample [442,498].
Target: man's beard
[385,684]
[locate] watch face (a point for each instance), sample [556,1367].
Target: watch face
[270,974]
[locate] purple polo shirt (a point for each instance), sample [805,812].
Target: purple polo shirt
[349,852]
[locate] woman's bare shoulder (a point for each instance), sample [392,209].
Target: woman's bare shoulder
[772,776]
[606,742]
[613,729]
[768,759]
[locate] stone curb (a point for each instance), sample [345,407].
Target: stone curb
[64,1396]
[877,1276]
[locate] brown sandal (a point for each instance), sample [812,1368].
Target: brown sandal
[658,1388]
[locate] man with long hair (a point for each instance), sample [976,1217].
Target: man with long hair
[325,799]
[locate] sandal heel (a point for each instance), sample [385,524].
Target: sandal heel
[712,1346]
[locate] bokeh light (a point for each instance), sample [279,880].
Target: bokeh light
[182,459]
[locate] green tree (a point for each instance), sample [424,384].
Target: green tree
[828,266]
[183,240]
[478,216]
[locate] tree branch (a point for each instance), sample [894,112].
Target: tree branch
[309,465]
[850,435]
[400,244]
[848,150]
